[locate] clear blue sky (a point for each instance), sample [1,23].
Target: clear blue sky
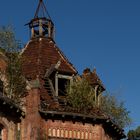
[92,33]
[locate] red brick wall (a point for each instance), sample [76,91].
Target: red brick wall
[67,130]
[30,126]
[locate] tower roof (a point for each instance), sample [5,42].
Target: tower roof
[41,11]
[41,24]
[93,78]
[42,53]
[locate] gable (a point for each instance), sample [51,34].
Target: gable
[40,54]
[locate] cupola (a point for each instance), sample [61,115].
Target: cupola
[41,25]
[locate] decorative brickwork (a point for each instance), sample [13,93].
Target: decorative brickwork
[70,130]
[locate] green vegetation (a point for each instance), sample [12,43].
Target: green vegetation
[115,110]
[134,134]
[10,47]
[81,95]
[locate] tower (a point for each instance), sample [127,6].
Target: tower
[43,60]
[41,25]
[47,71]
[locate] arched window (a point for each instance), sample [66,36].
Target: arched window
[1,86]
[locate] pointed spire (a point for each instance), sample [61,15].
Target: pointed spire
[41,25]
[41,10]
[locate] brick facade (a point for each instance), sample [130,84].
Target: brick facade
[70,130]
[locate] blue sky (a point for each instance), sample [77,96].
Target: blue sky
[104,34]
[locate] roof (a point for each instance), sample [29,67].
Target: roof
[93,78]
[7,106]
[41,10]
[40,54]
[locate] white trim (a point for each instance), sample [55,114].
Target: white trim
[64,77]
[22,51]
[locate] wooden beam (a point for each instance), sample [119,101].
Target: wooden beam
[64,76]
[56,84]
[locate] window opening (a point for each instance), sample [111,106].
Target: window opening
[1,86]
[62,83]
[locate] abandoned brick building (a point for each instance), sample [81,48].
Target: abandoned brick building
[43,115]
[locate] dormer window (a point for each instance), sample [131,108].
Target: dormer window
[60,84]
[56,83]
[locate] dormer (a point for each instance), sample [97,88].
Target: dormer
[95,82]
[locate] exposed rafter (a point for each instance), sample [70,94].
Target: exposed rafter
[41,11]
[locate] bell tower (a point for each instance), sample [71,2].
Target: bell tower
[41,25]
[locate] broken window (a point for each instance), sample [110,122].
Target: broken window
[61,82]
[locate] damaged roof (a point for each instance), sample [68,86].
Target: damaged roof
[40,54]
[8,106]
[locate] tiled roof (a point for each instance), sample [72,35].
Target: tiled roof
[93,78]
[8,106]
[40,54]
